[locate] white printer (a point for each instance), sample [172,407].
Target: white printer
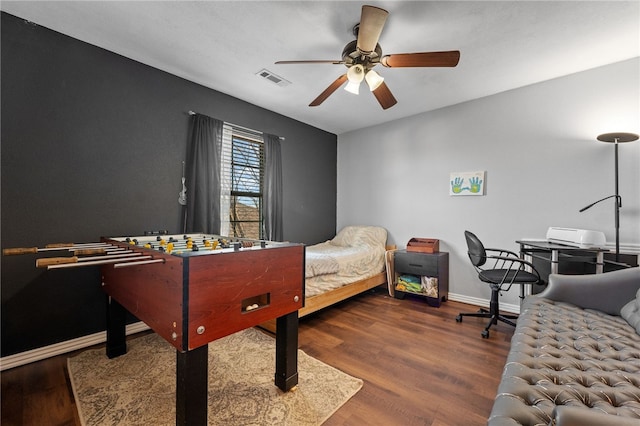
[582,238]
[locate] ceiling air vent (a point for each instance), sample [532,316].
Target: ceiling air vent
[275,79]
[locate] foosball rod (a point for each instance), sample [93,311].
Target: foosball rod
[175,246]
[74,261]
[55,247]
[137,263]
[182,245]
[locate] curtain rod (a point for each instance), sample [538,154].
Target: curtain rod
[240,127]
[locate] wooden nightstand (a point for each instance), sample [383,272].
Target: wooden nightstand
[428,274]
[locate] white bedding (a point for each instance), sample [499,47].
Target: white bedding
[319,262]
[356,253]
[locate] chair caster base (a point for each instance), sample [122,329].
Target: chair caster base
[459,318]
[485,334]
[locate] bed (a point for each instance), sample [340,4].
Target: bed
[349,264]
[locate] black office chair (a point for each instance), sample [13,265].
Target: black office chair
[505,269]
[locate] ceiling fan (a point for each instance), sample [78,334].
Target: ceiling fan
[364,53]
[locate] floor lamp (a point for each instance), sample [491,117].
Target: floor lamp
[615,138]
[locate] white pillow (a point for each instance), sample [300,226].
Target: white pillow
[350,236]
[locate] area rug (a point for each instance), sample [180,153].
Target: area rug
[138,388]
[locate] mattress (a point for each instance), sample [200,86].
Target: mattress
[354,254]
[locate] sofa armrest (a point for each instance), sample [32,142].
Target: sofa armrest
[607,292]
[564,415]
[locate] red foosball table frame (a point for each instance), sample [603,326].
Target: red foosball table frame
[195,297]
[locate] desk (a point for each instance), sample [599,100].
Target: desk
[562,252]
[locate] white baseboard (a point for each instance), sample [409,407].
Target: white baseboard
[506,307]
[38,354]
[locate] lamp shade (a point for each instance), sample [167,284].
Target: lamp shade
[374,80]
[617,137]
[355,74]
[352,87]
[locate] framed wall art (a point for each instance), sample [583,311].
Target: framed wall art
[467,183]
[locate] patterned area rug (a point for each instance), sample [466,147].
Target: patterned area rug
[139,388]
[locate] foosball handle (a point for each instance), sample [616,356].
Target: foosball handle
[19,250]
[48,261]
[59,245]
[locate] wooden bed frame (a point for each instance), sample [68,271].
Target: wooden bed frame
[315,303]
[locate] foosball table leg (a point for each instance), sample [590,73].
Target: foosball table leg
[287,351]
[116,328]
[192,386]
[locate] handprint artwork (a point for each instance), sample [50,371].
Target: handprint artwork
[476,184]
[456,185]
[467,183]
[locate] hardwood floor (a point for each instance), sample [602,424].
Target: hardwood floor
[419,366]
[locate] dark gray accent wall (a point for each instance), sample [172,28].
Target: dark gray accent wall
[92,145]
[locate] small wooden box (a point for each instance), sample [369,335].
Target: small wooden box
[423,245]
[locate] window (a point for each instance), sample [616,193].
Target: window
[243,165]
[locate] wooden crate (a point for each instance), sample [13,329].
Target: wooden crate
[423,245]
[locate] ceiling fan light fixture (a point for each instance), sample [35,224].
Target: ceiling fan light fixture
[352,87]
[355,75]
[374,80]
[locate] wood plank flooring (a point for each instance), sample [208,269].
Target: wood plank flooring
[419,366]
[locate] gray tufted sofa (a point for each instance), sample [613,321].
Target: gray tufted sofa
[574,360]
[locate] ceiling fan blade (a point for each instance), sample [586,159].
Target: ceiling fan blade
[329,90]
[425,59]
[372,21]
[313,61]
[384,96]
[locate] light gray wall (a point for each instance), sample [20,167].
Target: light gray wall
[538,147]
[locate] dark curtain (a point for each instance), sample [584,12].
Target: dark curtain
[272,196]
[203,174]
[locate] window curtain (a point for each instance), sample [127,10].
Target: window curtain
[272,196]
[203,174]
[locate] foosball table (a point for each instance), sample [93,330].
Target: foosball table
[193,289]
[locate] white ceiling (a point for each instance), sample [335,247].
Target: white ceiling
[223,44]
